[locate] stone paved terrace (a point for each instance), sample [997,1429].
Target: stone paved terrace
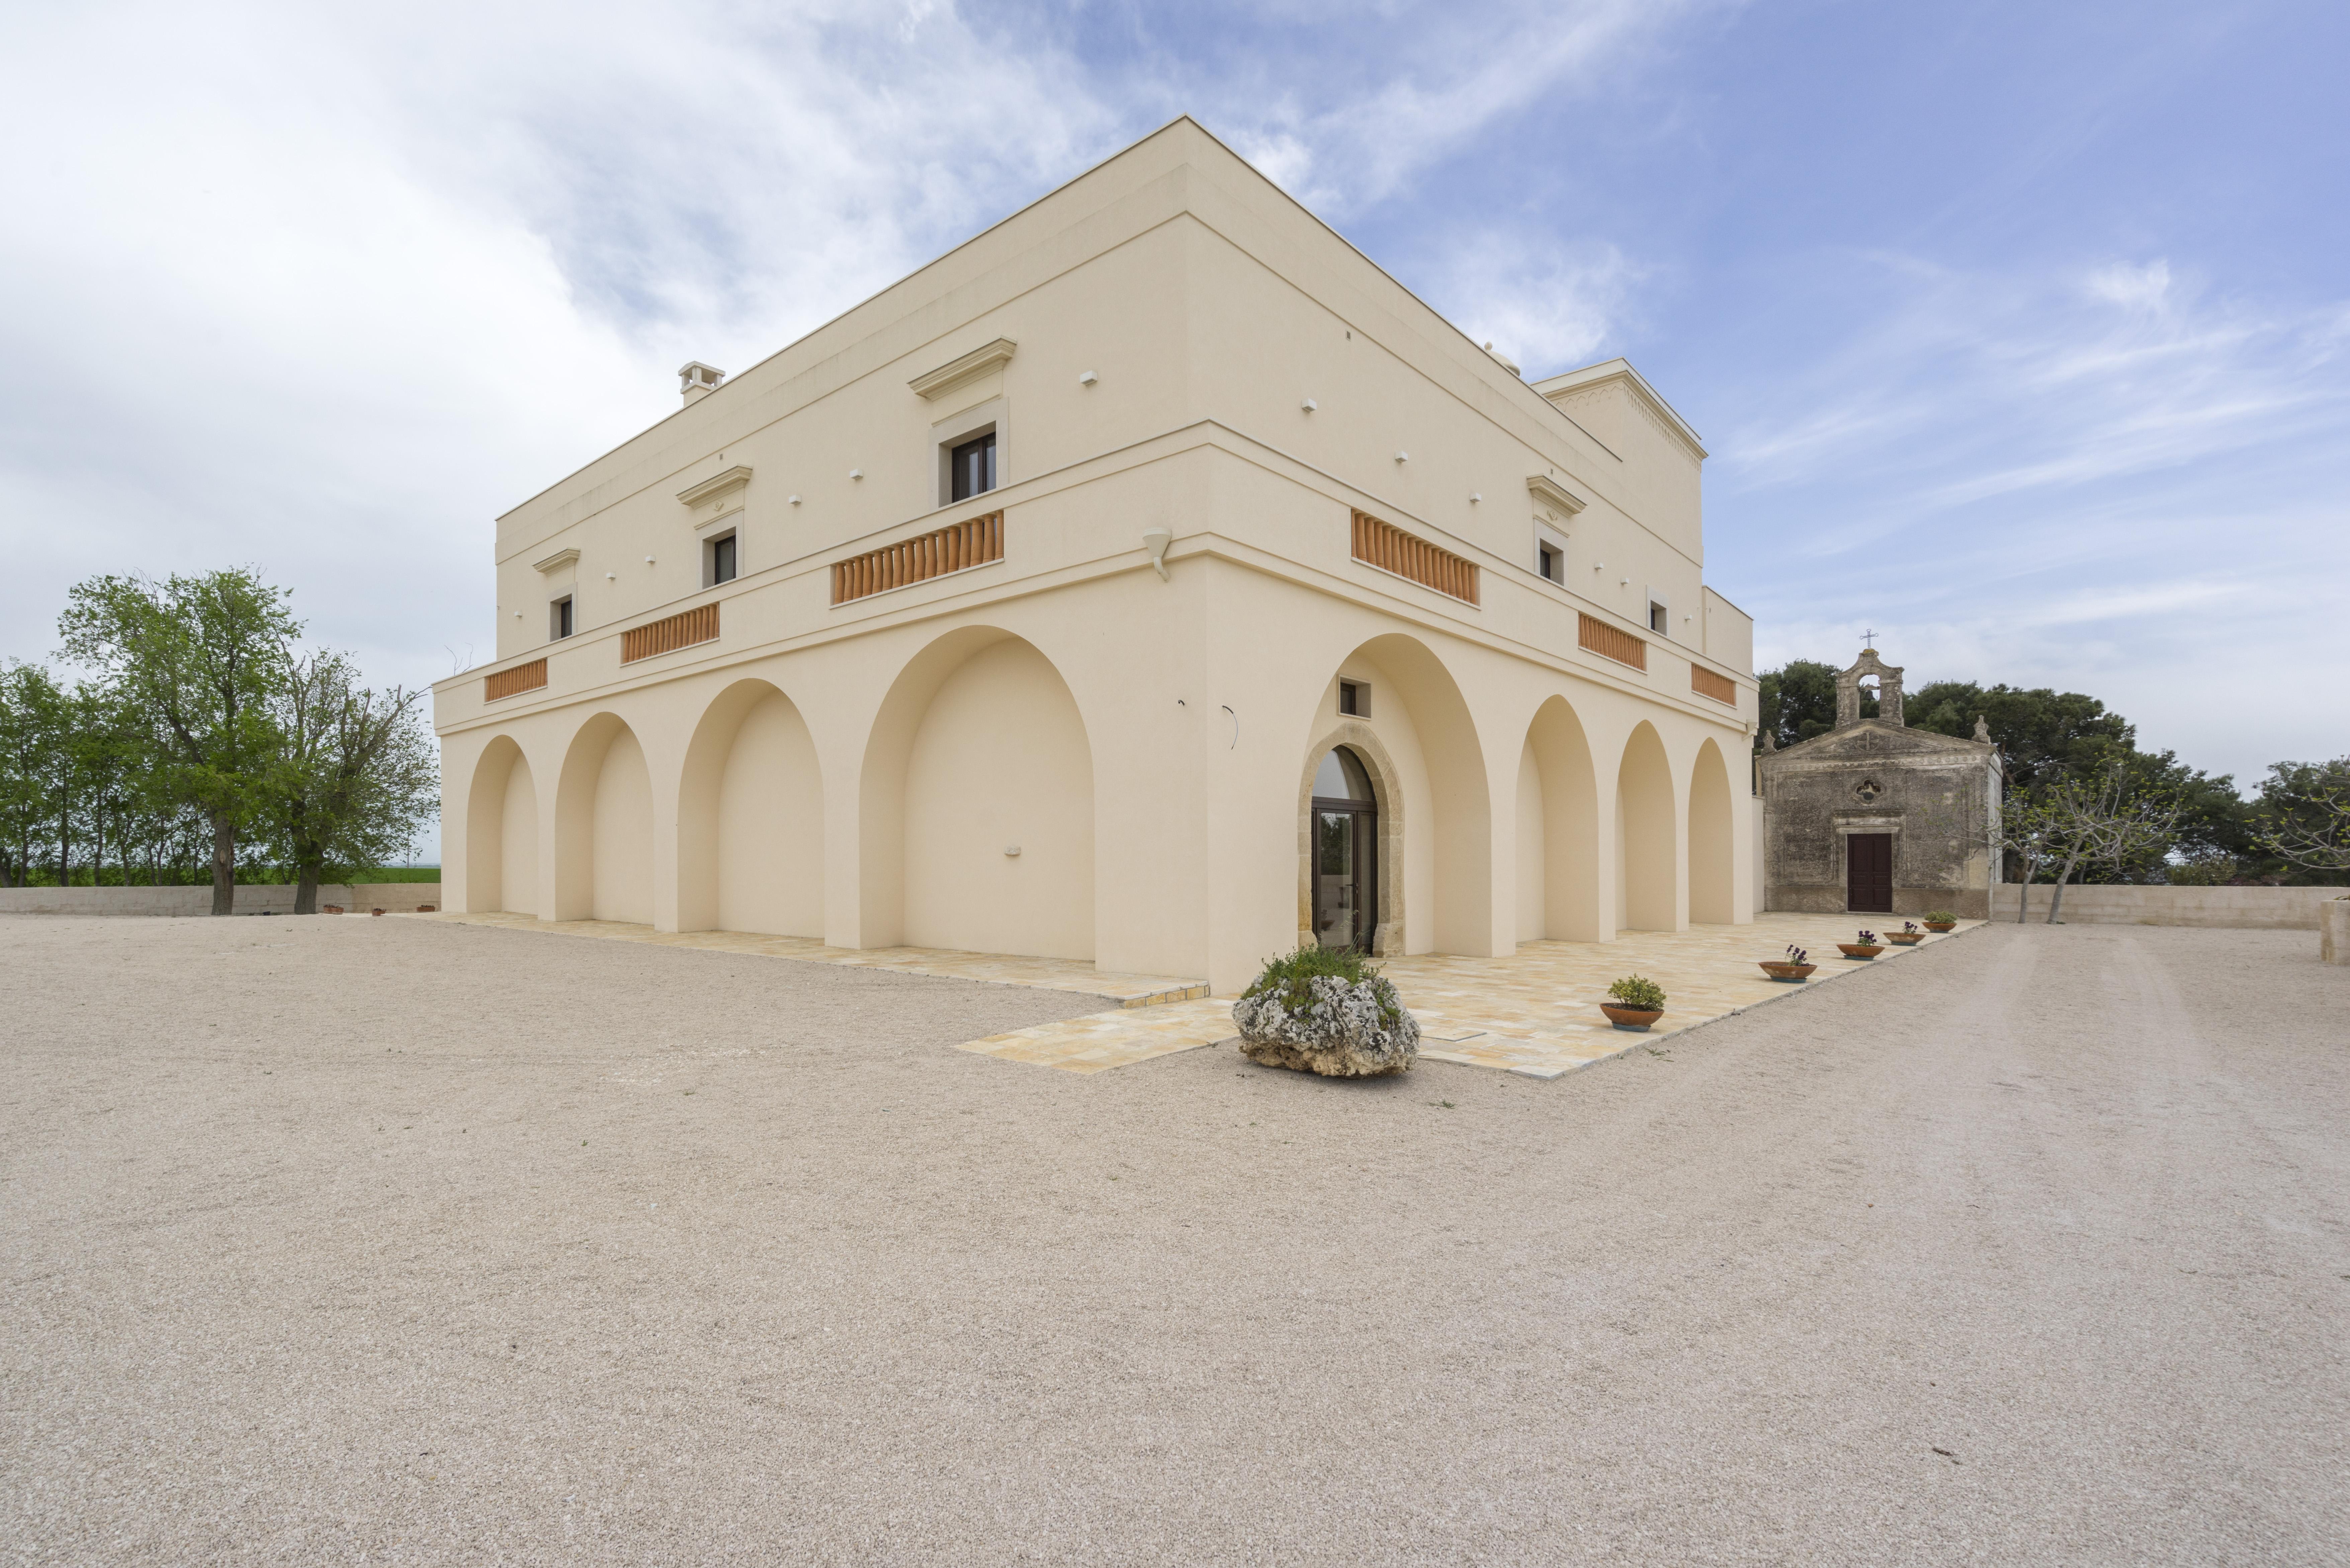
[1535,1014]
[994,968]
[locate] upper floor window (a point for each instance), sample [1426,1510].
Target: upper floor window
[1660,620]
[722,563]
[971,468]
[1550,562]
[559,618]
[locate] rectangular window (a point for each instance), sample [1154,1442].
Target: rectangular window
[971,468]
[1660,620]
[1548,564]
[559,618]
[722,560]
[1354,699]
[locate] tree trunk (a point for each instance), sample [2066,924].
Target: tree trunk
[2023,890]
[306,891]
[2056,900]
[224,864]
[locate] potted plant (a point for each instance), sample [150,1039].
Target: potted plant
[1634,1001]
[1908,936]
[1797,966]
[1940,920]
[1868,947]
[1326,1010]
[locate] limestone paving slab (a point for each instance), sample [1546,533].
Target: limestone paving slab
[994,968]
[1535,1014]
[1100,1041]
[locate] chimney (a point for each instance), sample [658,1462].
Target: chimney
[696,379]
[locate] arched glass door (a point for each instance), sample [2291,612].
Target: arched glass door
[1346,853]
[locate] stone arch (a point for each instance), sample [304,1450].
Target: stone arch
[1436,873]
[979,751]
[749,818]
[1648,872]
[1559,831]
[1364,741]
[1712,864]
[502,831]
[604,827]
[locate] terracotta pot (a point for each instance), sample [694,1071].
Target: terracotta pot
[1856,951]
[334,908]
[423,909]
[1941,925]
[1628,1017]
[1906,938]
[1782,970]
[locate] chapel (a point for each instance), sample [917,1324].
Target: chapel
[1875,817]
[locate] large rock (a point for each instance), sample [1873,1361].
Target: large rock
[1338,1030]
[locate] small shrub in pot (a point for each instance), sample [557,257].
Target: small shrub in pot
[1940,920]
[1634,1001]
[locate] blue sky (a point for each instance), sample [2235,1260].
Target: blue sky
[2018,332]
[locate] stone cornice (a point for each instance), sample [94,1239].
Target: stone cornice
[958,373]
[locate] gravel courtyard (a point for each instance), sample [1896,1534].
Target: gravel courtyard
[345,1241]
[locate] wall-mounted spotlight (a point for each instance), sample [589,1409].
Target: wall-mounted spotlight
[1403,457]
[1012,849]
[856,474]
[1309,405]
[1475,497]
[793,499]
[1087,378]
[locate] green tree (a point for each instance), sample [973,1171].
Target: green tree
[356,778]
[1797,700]
[2114,819]
[33,722]
[198,660]
[2302,815]
[2041,732]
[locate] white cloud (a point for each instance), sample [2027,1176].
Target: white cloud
[1548,307]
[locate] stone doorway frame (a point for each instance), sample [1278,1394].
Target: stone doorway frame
[1387,934]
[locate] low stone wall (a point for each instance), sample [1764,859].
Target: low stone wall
[2256,909]
[392,898]
[1914,903]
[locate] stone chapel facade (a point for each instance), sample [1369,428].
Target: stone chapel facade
[1875,817]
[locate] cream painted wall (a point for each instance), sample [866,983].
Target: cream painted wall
[623,834]
[1649,834]
[518,831]
[1209,304]
[1712,858]
[770,852]
[1001,759]
[1532,860]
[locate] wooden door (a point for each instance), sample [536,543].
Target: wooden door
[1869,872]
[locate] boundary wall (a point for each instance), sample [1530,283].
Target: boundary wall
[2250,909]
[252,899]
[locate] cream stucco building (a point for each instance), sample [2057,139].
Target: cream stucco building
[1020,609]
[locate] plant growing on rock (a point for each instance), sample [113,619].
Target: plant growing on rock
[1326,1010]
